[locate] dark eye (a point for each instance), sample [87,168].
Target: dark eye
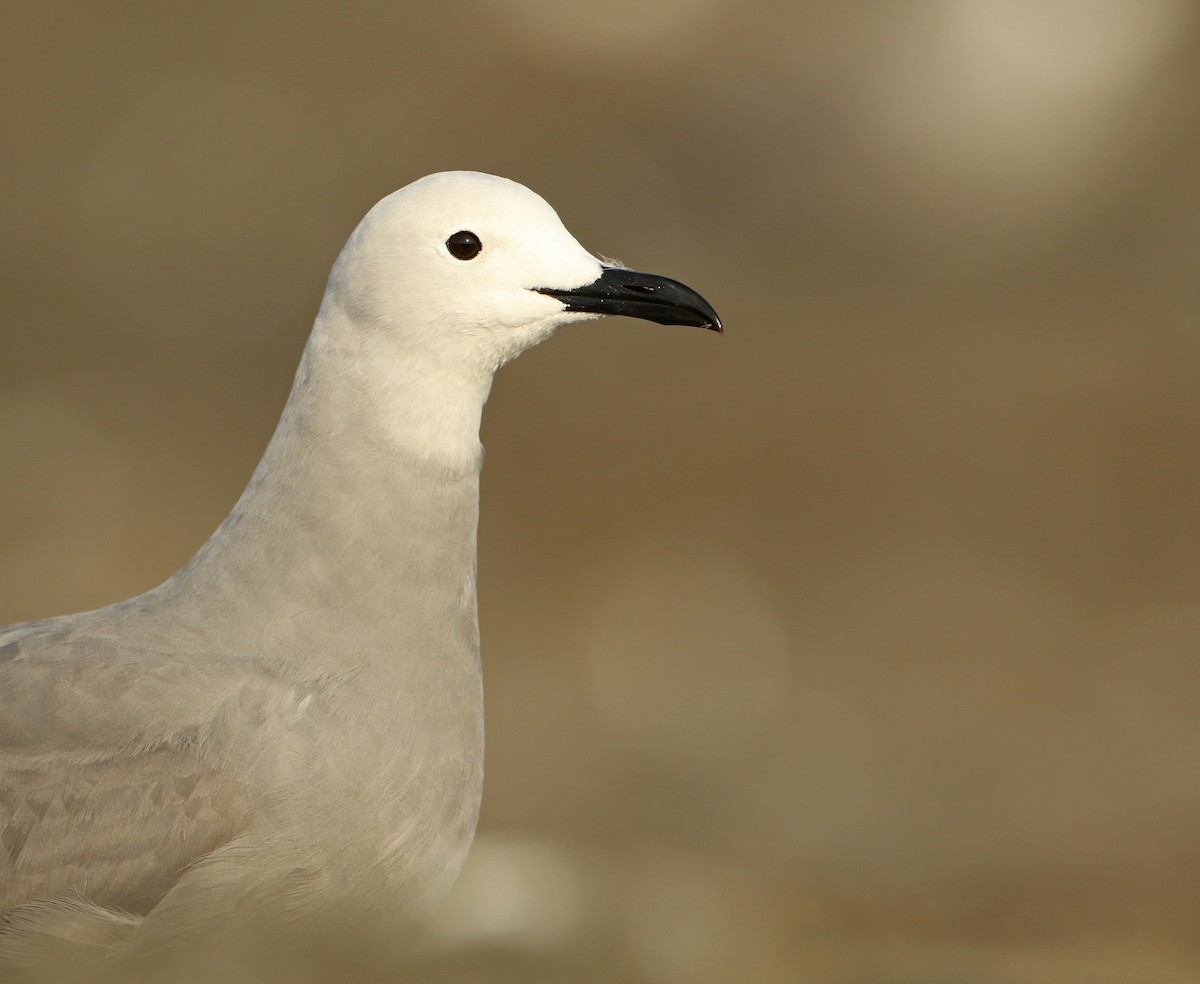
[464,245]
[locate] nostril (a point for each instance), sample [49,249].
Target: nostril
[641,288]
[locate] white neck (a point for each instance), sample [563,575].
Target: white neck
[372,476]
[388,394]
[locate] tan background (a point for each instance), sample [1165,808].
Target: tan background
[860,644]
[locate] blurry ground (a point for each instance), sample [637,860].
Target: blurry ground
[858,645]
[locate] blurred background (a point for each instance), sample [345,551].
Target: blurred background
[857,645]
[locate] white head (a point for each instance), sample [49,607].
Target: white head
[446,280]
[398,274]
[470,270]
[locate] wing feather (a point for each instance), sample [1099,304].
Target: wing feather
[118,832]
[104,792]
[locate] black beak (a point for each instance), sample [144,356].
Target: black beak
[639,295]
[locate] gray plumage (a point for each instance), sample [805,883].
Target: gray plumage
[292,725]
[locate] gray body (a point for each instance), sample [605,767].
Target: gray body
[305,693]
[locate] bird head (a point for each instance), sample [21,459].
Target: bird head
[472,269]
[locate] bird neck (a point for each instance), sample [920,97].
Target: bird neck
[362,515]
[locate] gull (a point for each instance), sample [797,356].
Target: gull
[290,729]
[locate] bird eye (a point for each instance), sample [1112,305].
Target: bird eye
[464,245]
